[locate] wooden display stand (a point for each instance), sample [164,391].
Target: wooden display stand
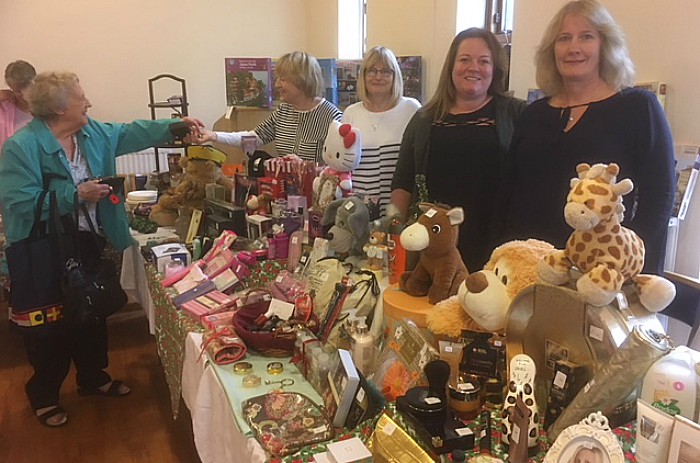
[399,305]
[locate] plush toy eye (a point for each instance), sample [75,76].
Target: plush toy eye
[337,155]
[435,229]
[495,271]
[504,280]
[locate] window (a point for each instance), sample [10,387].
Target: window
[352,27]
[470,13]
[495,15]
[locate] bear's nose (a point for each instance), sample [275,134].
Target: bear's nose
[329,236]
[476,282]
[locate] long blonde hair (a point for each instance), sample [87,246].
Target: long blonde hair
[616,67]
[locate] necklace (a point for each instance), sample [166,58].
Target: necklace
[376,119]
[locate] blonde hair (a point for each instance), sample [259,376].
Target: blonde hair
[616,67]
[19,74]
[445,95]
[50,93]
[597,451]
[381,56]
[302,70]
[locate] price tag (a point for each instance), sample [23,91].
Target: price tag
[431,212]
[432,400]
[515,435]
[560,379]
[389,429]
[596,333]
[461,432]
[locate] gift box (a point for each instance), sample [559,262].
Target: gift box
[210,322]
[165,253]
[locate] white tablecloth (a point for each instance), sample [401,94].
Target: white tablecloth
[216,434]
[133,275]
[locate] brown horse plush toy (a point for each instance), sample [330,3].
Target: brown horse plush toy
[440,269]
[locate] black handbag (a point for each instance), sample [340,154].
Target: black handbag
[36,267]
[91,287]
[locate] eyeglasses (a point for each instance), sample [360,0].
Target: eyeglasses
[372,72]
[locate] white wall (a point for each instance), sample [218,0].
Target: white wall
[115,46]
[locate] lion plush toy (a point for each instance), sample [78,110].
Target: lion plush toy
[191,190]
[483,299]
[606,253]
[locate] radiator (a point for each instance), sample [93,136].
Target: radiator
[142,162]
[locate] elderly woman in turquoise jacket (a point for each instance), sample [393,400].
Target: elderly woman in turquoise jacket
[65,144]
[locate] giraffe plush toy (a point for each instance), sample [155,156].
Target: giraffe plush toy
[607,253]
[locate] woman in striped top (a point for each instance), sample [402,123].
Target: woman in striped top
[381,116]
[300,123]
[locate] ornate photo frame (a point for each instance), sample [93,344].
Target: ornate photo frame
[592,435]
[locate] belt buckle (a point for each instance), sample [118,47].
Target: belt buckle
[36,318]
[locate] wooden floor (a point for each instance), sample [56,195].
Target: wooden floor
[136,428]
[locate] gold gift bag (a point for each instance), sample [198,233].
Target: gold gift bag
[391,444]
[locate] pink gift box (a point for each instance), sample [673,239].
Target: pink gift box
[210,322]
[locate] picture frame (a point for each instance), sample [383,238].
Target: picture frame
[654,430]
[592,435]
[685,441]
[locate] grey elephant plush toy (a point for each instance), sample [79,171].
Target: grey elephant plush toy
[350,226]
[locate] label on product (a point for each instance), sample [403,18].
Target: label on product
[461,432]
[432,400]
[515,435]
[596,333]
[431,212]
[389,429]
[282,309]
[360,395]
[349,206]
[465,387]
[320,429]
[448,348]
[560,379]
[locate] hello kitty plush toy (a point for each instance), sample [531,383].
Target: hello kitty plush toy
[341,153]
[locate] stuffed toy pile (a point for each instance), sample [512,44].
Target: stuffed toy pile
[607,253]
[191,190]
[342,152]
[440,269]
[483,299]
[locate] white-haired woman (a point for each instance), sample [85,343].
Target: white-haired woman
[64,145]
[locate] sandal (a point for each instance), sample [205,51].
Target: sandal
[45,417]
[116,388]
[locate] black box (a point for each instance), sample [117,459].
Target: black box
[221,215]
[453,434]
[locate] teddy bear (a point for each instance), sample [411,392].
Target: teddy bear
[376,250]
[606,253]
[350,229]
[483,299]
[190,191]
[440,268]
[342,152]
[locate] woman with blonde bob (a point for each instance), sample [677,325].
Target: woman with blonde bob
[455,148]
[64,150]
[381,115]
[590,114]
[299,125]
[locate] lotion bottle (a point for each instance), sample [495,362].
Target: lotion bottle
[363,347]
